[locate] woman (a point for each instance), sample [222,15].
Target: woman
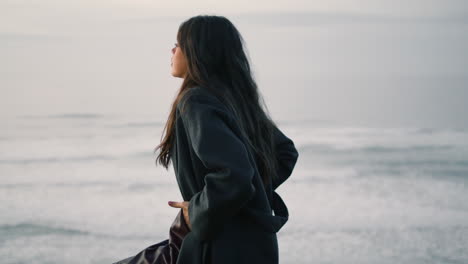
[228,155]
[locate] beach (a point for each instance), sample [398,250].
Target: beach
[84,188]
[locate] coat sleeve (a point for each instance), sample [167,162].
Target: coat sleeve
[228,185]
[286,154]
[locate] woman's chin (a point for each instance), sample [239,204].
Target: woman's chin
[174,74]
[177,74]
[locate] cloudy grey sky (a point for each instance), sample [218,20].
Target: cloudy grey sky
[362,62]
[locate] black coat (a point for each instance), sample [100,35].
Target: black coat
[230,209]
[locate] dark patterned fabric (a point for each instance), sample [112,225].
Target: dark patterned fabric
[166,251]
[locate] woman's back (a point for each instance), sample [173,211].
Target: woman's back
[230,207]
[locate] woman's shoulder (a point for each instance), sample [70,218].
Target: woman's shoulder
[199,94]
[198,97]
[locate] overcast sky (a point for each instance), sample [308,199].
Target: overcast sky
[369,62]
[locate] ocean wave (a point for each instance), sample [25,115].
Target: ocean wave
[374,148]
[66,116]
[142,124]
[85,184]
[57,159]
[29,229]
[76,115]
[439,163]
[85,158]
[435,130]
[378,148]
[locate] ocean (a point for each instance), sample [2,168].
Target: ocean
[84,188]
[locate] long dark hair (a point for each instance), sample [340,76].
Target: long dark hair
[214,51]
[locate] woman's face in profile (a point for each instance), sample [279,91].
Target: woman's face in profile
[178,62]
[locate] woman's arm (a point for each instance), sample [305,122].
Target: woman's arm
[286,154]
[228,185]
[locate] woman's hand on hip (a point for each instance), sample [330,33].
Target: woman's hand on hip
[184,205]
